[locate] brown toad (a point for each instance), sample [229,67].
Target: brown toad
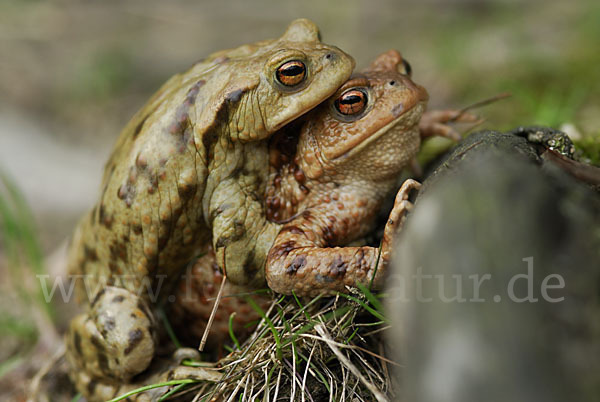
[348,159]
[189,168]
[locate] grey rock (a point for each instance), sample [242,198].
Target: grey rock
[495,289]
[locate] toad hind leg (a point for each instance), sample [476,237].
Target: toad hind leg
[110,343]
[303,261]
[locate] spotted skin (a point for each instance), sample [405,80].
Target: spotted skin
[188,170]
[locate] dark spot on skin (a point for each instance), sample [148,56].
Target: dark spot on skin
[141,162]
[132,315]
[89,253]
[338,267]
[135,337]
[304,189]
[77,342]
[118,251]
[307,215]
[190,98]
[153,178]
[234,96]
[127,193]
[98,296]
[321,278]
[298,263]
[219,211]
[109,325]
[361,262]
[118,299]
[103,361]
[182,121]
[104,218]
[283,249]
[186,138]
[249,267]
[137,229]
[397,110]
[97,342]
[181,124]
[140,125]
[329,234]
[239,229]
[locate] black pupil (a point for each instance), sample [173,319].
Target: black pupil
[293,70]
[351,99]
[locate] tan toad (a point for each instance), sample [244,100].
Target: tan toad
[189,169]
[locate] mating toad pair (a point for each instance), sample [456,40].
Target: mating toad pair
[220,160]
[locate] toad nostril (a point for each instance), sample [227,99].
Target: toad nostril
[328,56]
[392,82]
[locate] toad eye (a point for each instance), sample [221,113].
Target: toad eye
[406,67]
[351,102]
[291,73]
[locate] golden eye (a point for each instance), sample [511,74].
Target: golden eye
[407,68]
[351,102]
[291,73]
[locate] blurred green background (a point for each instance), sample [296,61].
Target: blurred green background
[72,73]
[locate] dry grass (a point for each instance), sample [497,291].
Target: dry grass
[329,349]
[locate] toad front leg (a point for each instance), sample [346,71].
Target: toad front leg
[302,259]
[241,233]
